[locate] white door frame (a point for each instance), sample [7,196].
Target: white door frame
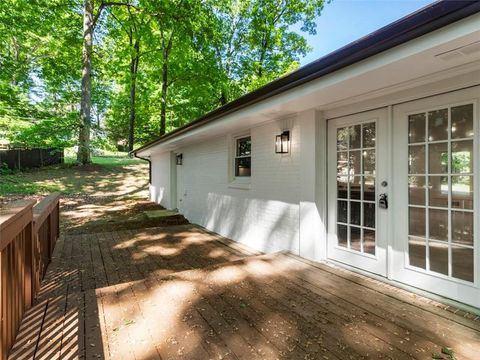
[179,184]
[173,180]
[373,263]
[443,285]
[396,173]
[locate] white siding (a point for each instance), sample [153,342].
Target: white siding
[160,189]
[266,216]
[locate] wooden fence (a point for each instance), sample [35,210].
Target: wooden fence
[28,233]
[31,158]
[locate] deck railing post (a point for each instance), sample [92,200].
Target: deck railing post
[16,264]
[52,232]
[46,231]
[27,237]
[3,335]
[57,220]
[29,265]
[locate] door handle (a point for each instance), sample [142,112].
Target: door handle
[383,201]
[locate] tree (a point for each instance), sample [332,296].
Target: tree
[231,28]
[135,25]
[134,61]
[255,41]
[176,23]
[38,77]
[274,46]
[89,21]
[83,154]
[138,67]
[225,37]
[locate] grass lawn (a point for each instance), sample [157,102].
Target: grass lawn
[106,176]
[112,189]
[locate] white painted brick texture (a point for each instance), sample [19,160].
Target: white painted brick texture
[266,216]
[160,186]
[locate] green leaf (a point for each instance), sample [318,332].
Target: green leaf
[448,351]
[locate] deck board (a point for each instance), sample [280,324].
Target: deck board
[407,315]
[181,292]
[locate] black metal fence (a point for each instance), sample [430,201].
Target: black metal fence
[32,158]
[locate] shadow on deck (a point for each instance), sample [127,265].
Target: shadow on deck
[180,292]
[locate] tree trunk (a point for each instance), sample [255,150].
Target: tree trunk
[260,62]
[83,154]
[223,97]
[163,105]
[133,94]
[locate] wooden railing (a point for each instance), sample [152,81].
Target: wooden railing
[28,233]
[45,234]
[15,269]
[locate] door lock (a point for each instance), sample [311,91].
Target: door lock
[383,201]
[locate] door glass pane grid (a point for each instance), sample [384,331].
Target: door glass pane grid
[356,206]
[446,199]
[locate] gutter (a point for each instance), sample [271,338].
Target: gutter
[421,22]
[149,165]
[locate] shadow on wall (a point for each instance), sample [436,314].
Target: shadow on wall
[156,193]
[265,225]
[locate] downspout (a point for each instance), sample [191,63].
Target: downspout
[149,165]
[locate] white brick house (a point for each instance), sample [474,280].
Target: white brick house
[394,115]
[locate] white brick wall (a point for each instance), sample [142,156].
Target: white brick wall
[160,187]
[266,216]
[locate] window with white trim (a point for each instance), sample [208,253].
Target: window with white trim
[243,156]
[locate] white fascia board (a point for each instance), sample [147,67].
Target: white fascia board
[306,96]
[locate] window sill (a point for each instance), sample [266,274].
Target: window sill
[240,184]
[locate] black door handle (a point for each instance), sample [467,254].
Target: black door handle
[383,201]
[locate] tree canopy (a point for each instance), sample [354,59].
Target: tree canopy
[114,73]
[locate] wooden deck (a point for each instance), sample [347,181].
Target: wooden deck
[180,292]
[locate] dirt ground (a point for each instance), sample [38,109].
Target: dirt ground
[112,194]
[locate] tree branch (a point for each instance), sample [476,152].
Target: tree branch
[120,23]
[104,4]
[149,51]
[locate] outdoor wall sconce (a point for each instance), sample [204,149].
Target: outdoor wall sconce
[282,142]
[179,159]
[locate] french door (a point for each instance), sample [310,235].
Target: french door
[357,178]
[435,197]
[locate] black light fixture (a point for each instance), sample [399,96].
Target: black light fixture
[179,159]
[282,142]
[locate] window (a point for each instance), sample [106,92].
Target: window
[243,157]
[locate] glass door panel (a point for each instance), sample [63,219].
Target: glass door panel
[357,166]
[440,191]
[356,153]
[435,195]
